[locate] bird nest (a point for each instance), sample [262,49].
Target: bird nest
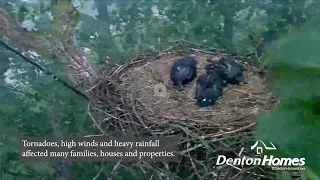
[137,99]
[151,85]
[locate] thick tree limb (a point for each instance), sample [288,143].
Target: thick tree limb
[67,50]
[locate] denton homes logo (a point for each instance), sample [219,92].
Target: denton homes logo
[262,160]
[260,149]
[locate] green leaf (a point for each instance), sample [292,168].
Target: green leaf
[295,66]
[294,75]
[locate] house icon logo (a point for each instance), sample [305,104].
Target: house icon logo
[260,148]
[276,163]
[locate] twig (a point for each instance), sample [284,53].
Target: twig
[193,165]
[114,170]
[151,177]
[98,135]
[249,94]
[200,50]
[195,44]
[97,176]
[93,120]
[234,131]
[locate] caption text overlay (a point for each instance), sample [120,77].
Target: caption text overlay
[94,149]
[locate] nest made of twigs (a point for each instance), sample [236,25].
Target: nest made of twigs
[150,83]
[129,105]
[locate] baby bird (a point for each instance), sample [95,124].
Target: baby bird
[205,97]
[183,71]
[232,71]
[215,68]
[208,89]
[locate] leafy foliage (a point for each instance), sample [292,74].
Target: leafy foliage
[295,122]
